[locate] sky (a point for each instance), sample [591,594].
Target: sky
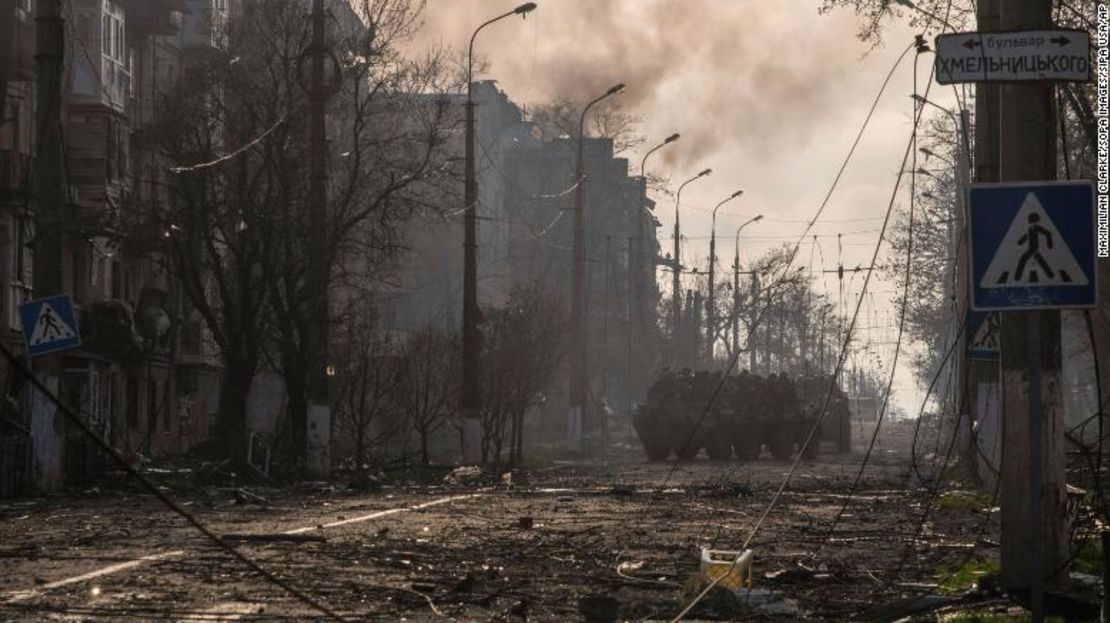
[768,93]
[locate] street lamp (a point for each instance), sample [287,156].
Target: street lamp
[929,14]
[643,203]
[670,139]
[736,286]
[638,266]
[471,391]
[711,311]
[676,269]
[962,171]
[960,123]
[578,374]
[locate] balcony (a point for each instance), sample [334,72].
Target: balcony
[155,17]
[24,45]
[17,175]
[205,25]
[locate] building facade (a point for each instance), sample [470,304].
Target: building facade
[144,377]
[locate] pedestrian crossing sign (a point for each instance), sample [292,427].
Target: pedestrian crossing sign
[1032,246]
[49,325]
[983,336]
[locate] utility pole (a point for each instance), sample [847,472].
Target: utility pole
[736,285]
[982,377]
[472,345]
[579,377]
[311,437]
[7,52]
[644,265]
[50,212]
[471,399]
[676,268]
[605,341]
[1034,525]
[695,330]
[50,183]
[753,316]
[630,304]
[711,304]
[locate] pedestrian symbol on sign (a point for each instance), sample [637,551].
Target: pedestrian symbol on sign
[1033,253]
[49,327]
[986,338]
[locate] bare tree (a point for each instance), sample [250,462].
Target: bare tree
[388,131]
[366,384]
[212,222]
[235,217]
[429,376]
[522,352]
[560,118]
[876,14]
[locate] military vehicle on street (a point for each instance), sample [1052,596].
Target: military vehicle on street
[739,415]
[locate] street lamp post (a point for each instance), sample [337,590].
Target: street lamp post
[471,351]
[711,310]
[578,369]
[639,215]
[676,269]
[736,287]
[953,276]
[638,266]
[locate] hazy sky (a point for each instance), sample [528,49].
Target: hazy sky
[768,93]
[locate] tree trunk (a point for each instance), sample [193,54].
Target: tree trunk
[518,438]
[423,446]
[360,440]
[513,458]
[231,425]
[295,386]
[485,444]
[498,442]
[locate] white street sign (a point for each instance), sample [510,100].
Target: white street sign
[1060,55]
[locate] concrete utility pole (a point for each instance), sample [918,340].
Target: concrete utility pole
[50,182]
[676,283]
[736,286]
[640,267]
[311,437]
[630,302]
[579,377]
[961,171]
[50,217]
[471,403]
[7,50]
[605,341]
[753,316]
[1034,524]
[711,309]
[982,377]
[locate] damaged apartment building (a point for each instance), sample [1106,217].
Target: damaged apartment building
[526,184]
[145,376]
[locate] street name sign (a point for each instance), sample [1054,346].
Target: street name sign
[49,325]
[983,336]
[1056,55]
[1032,246]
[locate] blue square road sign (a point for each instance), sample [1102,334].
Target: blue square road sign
[983,336]
[49,325]
[1032,246]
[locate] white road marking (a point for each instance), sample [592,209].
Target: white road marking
[392,511]
[227,611]
[92,575]
[17,596]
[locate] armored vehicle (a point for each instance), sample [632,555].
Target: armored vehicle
[750,412]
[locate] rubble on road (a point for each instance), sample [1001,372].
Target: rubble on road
[545,548]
